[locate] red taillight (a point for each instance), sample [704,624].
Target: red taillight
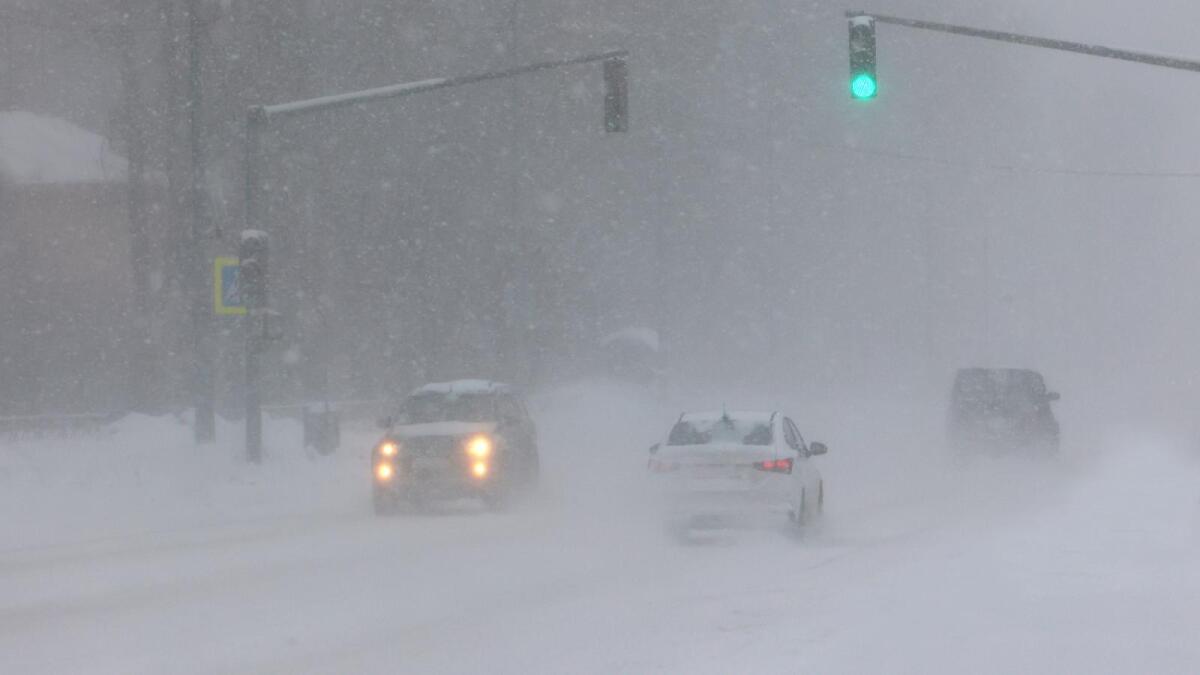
[659,466]
[775,465]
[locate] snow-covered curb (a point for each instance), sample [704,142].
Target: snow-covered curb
[145,473]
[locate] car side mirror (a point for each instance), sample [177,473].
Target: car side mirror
[817,449]
[654,448]
[384,422]
[1053,396]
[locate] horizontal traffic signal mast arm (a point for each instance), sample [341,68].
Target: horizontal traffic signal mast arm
[280,110]
[1033,41]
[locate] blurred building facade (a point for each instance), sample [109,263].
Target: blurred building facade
[65,267]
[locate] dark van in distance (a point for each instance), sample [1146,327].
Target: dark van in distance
[1002,411]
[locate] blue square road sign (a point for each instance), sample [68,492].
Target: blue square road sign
[227,297]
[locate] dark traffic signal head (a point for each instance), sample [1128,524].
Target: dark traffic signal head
[252,266]
[616,95]
[863,84]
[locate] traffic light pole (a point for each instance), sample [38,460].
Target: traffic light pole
[252,394]
[252,266]
[1033,41]
[259,117]
[273,112]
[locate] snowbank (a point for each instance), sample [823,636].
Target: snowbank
[145,473]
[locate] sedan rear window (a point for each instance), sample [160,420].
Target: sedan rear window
[724,430]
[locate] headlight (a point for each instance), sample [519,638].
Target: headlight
[389,449]
[479,469]
[480,447]
[384,471]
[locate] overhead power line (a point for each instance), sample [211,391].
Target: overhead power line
[991,166]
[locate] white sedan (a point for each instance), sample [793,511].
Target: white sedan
[736,469]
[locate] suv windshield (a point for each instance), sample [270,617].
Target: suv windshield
[723,430]
[438,407]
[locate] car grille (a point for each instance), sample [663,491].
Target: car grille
[432,446]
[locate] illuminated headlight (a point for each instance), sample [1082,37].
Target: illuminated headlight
[384,471]
[479,469]
[480,447]
[389,449]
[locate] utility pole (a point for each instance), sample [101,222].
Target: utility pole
[513,311]
[204,390]
[134,114]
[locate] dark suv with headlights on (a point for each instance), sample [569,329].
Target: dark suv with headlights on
[450,440]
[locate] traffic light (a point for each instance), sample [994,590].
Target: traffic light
[252,274]
[616,95]
[863,84]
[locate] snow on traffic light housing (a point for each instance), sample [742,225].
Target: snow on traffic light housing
[863,83]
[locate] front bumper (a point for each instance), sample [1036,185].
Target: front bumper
[436,480]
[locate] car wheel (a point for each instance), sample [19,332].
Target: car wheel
[535,470]
[799,515]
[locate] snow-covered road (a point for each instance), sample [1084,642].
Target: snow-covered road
[1088,565]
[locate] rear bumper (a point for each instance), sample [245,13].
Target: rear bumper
[984,445]
[725,508]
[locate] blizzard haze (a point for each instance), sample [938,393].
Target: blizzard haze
[756,240]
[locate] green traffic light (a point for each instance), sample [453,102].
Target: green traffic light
[863,86]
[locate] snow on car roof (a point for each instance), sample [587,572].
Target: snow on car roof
[462,387]
[752,416]
[647,337]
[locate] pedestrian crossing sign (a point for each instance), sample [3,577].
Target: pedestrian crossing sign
[227,297]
